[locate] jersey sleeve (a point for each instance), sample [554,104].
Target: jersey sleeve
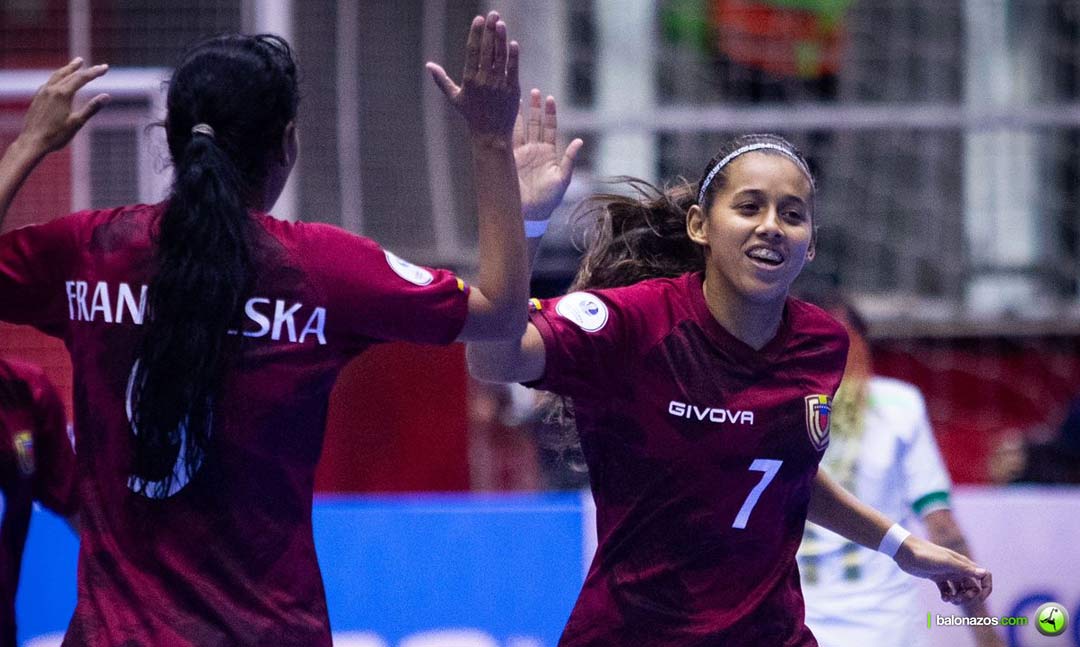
[33,262]
[587,338]
[54,476]
[926,479]
[377,296]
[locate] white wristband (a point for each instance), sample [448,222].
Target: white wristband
[535,228]
[895,536]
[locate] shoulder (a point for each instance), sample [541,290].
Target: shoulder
[29,379]
[320,236]
[648,305]
[811,323]
[14,370]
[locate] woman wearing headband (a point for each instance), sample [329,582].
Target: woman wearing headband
[205,338]
[701,397]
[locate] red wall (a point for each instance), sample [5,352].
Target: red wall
[978,389]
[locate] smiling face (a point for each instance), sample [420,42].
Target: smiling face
[758,229]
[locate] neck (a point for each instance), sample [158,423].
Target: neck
[753,323]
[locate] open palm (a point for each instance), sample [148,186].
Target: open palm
[543,173]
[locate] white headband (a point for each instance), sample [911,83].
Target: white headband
[747,149]
[202,129]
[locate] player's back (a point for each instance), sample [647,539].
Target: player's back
[226,555]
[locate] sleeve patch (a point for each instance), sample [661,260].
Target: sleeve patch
[584,309]
[412,273]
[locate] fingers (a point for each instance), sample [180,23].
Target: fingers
[569,157]
[90,109]
[948,590]
[63,72]
[487,48]
[535,122]
[549,126]
[986,582]
[513,56]
[472,49]
[519,127]
[75,81]
[443,80]
[499,56]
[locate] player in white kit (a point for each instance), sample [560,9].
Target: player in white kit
[882,450]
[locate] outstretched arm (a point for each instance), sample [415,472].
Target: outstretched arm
[958,578]
[943,530]
[51,122]
[544,173]
[488,99]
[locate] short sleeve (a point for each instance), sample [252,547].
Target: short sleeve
[32,264]
[586,341]
[925,477]
[376,296]
[54,453]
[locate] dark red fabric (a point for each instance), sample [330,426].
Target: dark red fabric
[229,557]
[679,422]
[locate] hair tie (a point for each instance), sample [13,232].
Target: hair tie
[202,129]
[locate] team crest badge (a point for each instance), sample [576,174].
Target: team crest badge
[24,452]
[818,408]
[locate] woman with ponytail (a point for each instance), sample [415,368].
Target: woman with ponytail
[205,338]
[700,395]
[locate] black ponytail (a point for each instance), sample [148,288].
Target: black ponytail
[241,92]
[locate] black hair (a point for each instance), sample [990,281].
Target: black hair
[245,89]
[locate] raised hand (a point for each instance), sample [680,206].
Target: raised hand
[51,121]
[543,174]
[959,580]
[488,94]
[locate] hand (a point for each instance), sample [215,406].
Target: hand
[543,174]
[51,121]
[488,94]
[958,578]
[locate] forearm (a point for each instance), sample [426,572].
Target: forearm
[20,158]
[833,507]
[503,275]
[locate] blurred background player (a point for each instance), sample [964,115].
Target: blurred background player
[37,463]
[700,396]
[882,450]
[206,336]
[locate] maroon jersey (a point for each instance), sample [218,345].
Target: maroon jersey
[701,455]
[227,556]
[37,463]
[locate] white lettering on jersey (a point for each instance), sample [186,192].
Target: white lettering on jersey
[266,317]
[712,414]
[101,302]
[282,316]
[127,300]
[261,320]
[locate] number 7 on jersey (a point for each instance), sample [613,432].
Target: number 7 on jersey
[770,467]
